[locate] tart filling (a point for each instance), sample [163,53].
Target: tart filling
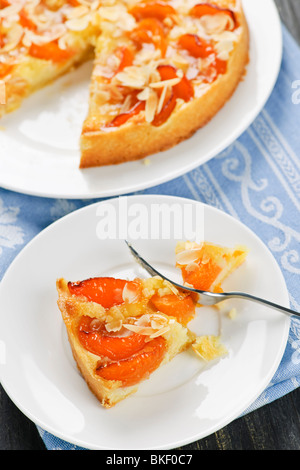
[154,56]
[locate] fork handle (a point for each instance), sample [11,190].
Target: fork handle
[280,308]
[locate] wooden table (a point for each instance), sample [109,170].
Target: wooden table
[272,427]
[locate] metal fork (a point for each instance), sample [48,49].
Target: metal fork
[209,298]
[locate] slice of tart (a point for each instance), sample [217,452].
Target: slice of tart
[121,331]
[205,266]
[39,41]
[162,70]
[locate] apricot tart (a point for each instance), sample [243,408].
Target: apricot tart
[122,331]
[205,266]
[162,68]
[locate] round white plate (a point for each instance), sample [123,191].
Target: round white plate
[184,400]
[39,142]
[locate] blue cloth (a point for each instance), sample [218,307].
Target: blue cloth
[256,180]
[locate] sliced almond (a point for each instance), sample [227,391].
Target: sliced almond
[162,99]
[166,83]
[13,38]
[77,12]
[130,295]
[187,257]
[218,23]
[78,24]
[151,106]
[144,94]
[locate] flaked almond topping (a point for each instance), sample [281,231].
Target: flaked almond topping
[40,39]
[218,23]
[13,38]
[168,21]
[114,326]
[152,325]
[191,267]
[77,12]
[95,324]
[159,321]
[78,24]
[173,289]
[144,94]
[205,258]
[126,105]
[224,44]
[187,257]
[134,77]
[162,99]
[129,295]
[11,10]
[166,83]
[118,15]
[91,4]
[151,106]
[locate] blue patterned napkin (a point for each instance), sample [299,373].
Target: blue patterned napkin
[256,180]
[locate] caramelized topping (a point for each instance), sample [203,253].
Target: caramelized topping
[50,51]
[184,89]
[203,9]
[150,30]
[159,10]
[196,46]
[95,338]
[105,291]
[124,117]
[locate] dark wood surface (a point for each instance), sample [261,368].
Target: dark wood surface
[272,427]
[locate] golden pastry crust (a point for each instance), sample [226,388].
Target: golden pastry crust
[137,138]
[109,392]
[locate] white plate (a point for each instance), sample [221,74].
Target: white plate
[184,400]
[39,147]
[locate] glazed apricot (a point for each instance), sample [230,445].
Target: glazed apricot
[195,46]
[182,309]
[208,9]
[203,276]
[159,10]
[183,89]
[138,367]
[166,111]
[50,51]
[126,58]
[98,341]
[105,291]
[124,117]
[5,69]
[150,30]
[26,22]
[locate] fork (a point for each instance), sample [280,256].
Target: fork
[205,297]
